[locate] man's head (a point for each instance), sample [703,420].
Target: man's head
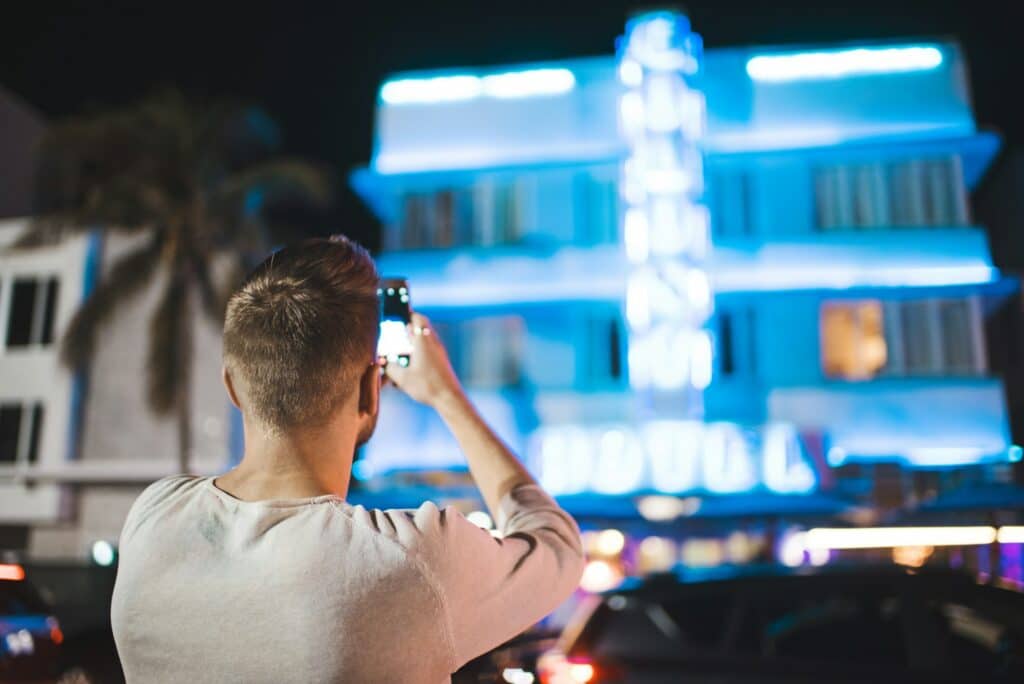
[300,337]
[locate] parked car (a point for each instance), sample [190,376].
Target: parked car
[30,636]
[773,625]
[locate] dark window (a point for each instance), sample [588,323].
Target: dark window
[33,309]
[49,311]
[614,350]
[725,343]
[23,304]
[10,427]
[35,432]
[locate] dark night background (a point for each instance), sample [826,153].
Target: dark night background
[316,67]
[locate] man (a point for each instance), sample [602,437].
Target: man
[266,574]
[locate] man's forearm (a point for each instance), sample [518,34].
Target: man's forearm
[494,467]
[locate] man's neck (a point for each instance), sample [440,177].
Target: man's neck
[299,464]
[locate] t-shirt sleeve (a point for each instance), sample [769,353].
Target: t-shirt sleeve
[494,588]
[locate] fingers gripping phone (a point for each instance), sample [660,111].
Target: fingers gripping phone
[394,345]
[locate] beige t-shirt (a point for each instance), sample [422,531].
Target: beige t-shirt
[214,589]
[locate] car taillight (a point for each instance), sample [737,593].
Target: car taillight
[555,668]
[12,572]
[56,635]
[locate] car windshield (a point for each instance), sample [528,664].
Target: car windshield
[19,598]
[871,625]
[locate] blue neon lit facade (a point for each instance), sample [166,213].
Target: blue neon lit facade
[536,214]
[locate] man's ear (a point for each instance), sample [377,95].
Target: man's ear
[369,390]
[230,387]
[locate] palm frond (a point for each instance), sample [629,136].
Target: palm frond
[268,182]
[126,279]
[169,364]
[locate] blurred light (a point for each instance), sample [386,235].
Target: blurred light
[784,467]
[836,456]
[658,508]
[529,83]
[663,102]
[634,226]
[11,572]
[1011,534]
[741,547]
[480,519]
[698,290]
[1015,453]
[727,460]
[599,575]
[818,557]
[103,553]
[701,360]
[620,463]
[610,542]
[631,113]
[511,84]
[885,537]
[581,672]
[631,74]
[431,90]
[702,553]
[945,456]
[56,635]
[912,556]
[792,549]
[362,469]
[517,675]
[638,305]
[656,554]
[674,449]
[842,63]
[847,277]
[20,643]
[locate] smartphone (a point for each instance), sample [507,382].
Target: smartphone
[394,345]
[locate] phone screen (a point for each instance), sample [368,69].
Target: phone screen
[394,345]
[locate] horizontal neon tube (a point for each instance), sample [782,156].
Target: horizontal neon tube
[1011,534]
[460,87]
[800,66]
[888,537]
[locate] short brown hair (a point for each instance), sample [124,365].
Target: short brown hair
[301,329]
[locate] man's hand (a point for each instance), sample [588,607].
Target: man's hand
[429,378]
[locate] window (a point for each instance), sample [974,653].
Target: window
[20,430]
[865,339]
[914,193]
[487,353]
[731,200]
[491,212]
[601,351]
[734,330]
[852,345]
[32,311]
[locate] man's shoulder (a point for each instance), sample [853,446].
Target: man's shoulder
[410,528]
[167,488]
[157,494]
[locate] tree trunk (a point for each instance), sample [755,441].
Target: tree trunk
[184,420]
[184,389]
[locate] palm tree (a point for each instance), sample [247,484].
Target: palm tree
[200,182]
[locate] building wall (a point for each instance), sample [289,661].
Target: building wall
[21,128]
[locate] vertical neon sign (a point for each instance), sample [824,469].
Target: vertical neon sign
[664,225]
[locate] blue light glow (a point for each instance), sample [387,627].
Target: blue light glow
[835,64]
[506,85]
[671,457]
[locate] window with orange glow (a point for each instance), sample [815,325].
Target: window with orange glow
[853,345]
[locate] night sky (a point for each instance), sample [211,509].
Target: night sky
[316,67]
